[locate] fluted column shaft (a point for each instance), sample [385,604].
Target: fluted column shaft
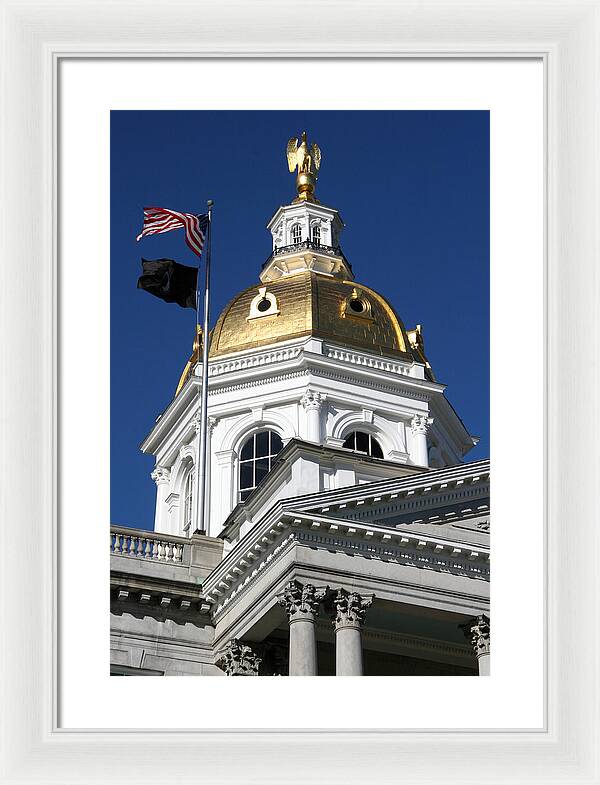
[419,426]
[301,603]
[350,615]
[303,645]
[162,478]
[312,403]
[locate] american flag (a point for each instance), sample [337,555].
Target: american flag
[158,220]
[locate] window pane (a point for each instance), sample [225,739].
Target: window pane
[376,450]
[246,475]
[247,449]
[262,444]
[244,494]
[362,441]
[262,469]
[350,443]
[276,443]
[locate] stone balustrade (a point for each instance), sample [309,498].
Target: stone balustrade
[378,363]
[138,544]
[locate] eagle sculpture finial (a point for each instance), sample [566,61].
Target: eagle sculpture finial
[308,161]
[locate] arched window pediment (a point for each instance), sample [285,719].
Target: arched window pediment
[361,441]
[257,455]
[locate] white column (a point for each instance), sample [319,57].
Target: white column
[350,610]
[312,403]
[223,501]
[419,425]
[162,478]
[477,630]
[210,524]
[301,603]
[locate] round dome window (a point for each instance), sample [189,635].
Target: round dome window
[357,305]
[264,304]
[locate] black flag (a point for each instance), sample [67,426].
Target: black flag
[172,282]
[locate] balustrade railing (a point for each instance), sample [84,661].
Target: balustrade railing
[308,245]
[147,545]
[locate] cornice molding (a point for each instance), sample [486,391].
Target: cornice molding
[265,543]
[297,360]
[446,481]
[354,357]
[256,360]
[156,597]
[421,502]
[258,382]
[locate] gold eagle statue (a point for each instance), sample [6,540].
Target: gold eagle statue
[307,159]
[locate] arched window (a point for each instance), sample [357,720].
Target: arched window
[363,442]
[316,234]
[256,458]
[296,234]
[188,500]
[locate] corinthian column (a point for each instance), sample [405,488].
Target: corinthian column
[477,631]
[312,403]
[419,425]
[301,603]
[238,659]
[350,610]
[161,477]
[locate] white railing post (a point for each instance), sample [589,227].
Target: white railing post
[134,544]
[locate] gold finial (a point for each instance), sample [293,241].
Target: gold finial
[308,161]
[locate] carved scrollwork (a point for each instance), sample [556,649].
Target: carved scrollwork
[311,400]
[351,608]
[238,659]
[477,631]
[161,475]
[420,423]
[302,600]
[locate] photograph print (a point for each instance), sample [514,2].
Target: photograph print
[300,474]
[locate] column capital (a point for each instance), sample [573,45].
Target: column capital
[351,608]
[161,475]
[196,422]
[420,423]
[312,400]
[238,659]
[477,631]
[301,601]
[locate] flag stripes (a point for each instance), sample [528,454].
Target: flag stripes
[158,220]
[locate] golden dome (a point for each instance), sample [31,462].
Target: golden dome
[308,304]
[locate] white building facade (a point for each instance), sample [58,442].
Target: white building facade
[306,353]
[336,481]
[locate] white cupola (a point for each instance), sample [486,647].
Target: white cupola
[306,236]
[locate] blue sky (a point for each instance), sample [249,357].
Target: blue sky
[412,189]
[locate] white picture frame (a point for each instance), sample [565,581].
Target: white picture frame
[34,38]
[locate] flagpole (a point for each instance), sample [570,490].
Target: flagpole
[201,476]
